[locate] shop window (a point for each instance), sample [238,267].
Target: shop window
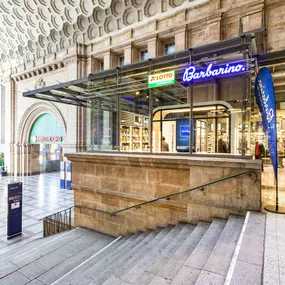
[143,55]
[121,61]
[101,65]
[169,48]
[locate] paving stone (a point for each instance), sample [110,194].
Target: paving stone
[160,281]
[247,273]
[186,276]
[7,268]
[114,281]
[252,246]
[210,278]
[35,282]
[14,279]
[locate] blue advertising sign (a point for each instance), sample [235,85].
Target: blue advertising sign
[265,98]
[68,175]
[14,214]
[183,135]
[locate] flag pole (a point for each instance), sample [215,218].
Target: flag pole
[276,209]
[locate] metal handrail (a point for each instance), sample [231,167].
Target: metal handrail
[201,187]
[57,222]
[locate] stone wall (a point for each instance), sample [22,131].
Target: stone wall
[111,182]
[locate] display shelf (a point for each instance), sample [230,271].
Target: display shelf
[134,137]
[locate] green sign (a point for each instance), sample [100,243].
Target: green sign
[161,79]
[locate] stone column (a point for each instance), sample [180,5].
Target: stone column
[110,60]
[180,40]
[128,55]
[152,47]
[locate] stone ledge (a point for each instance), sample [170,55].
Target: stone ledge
[157,161]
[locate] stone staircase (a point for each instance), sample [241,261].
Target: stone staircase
[222,252]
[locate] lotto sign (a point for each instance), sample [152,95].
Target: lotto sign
[161,79]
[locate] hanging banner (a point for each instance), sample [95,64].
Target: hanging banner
[265,98]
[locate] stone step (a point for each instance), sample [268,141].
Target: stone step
[8,265]
[157,262]
[65,267]
[171,268]
[83,272]
[43,264]
[247,263]
[135,274]
[16,250]
[120,272]
[114,281]
[51,246]
[101,272]
[191,269]
[101,278]
[218,263]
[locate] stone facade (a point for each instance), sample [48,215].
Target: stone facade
[80,38]
[111,182]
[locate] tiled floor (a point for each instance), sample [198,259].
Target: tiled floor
[41,197]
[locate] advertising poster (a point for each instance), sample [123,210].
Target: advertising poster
[183,135]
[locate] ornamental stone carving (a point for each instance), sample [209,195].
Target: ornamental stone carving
[31,115]
[31,29]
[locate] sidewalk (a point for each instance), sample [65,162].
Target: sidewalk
[41,197]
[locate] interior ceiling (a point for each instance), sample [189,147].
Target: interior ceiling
[31,29]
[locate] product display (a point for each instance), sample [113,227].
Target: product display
[134,137]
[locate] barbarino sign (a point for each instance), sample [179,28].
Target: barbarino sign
[265,98]
[191,73]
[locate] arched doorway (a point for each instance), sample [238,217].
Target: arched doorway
[47,135]
[25,158]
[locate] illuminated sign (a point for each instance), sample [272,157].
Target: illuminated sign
[46,139]
[161,79]
[191,74]
[185,131]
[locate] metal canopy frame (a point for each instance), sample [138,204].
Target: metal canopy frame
[133,77]
[111,89]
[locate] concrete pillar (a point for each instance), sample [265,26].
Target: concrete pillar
[180,40]
[216,90]
[128,55]
[110,60]
[107,60]
[152,48]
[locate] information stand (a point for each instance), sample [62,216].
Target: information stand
[62,174]
[68,175]
[14,213]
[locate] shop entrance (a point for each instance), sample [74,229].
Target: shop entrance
[214,129]
[48,134]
